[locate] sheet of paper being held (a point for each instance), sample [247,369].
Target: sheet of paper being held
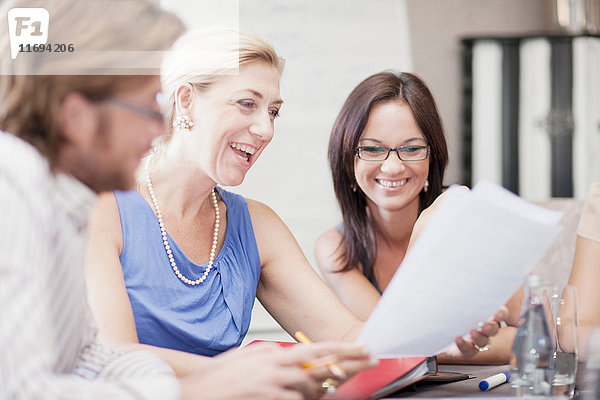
[474,253]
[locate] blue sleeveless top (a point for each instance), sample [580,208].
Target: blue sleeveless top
[205,319]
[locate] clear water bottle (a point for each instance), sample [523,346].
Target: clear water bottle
[532,350]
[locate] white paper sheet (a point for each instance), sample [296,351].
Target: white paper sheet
[471,257]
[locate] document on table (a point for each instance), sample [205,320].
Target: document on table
[474,253]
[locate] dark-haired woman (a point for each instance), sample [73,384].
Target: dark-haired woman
[387,155]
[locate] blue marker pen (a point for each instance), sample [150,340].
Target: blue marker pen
[493,381]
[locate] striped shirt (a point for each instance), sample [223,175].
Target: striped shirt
[48,342]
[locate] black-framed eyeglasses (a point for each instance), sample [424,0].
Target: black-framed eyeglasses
[136,108]
[381,153]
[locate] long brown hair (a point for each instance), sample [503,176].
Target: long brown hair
[358,239]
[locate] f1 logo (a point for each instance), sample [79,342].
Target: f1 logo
[27,26]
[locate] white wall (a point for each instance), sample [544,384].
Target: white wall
[330,46]
[198,13]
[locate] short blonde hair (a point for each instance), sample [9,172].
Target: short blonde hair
[31,94]
[202,56]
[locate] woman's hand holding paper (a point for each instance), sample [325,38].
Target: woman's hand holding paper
[479,339]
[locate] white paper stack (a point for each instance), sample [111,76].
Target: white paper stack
[471,257]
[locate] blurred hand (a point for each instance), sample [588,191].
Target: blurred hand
[479,338]
[351,357]
[268,371]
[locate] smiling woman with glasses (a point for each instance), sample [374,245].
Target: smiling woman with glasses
[387,112]
[381,194]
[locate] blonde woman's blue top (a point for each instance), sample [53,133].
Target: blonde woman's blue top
[207,318]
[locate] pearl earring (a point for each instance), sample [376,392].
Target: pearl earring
[182,123]
[426,186]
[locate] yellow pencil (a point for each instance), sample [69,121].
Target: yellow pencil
[333,367]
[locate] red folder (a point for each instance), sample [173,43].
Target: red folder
[391,375]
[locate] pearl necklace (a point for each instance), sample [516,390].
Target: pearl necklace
[163,232]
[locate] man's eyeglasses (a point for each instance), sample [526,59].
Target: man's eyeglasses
[381,153]
[135,108]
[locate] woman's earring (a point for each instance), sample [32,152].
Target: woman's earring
[426,186]
[354,187]
[182,123]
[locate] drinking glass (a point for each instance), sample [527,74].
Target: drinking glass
[564,324]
